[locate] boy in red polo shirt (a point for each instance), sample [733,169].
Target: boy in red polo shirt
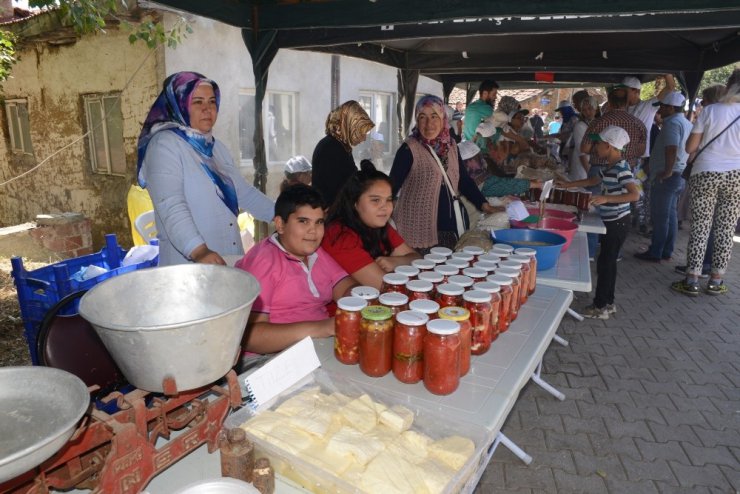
[297,277]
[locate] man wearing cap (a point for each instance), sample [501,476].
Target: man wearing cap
[479,110]
[667,161]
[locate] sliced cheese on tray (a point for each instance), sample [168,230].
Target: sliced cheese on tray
[348,441]
[397,417]
[360,415]
[453,451]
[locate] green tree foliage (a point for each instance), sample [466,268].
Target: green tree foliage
[7,54]
[717,76]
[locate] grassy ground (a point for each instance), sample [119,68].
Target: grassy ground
[13,346]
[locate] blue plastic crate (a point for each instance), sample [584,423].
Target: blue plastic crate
[39,290]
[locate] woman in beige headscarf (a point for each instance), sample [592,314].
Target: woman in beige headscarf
[346,127]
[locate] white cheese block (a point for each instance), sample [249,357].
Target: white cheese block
[436,475]
[349,441]
[398,418]
[384,434]
[318,455]
[453,451]
[358,414]
[379,407]
[289,438]
[411,445]
[316,421]
[262,424]
[298,404]
[392,474]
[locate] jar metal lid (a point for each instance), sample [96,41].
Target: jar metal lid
[446,269]
[409,271]
[490,257]
[473,249]
[465,256]
[512,264]
[487,286]
[454,313]
[520,258]
[443,327]
[525,251]
[419,286]
[365,292]
[423,264]
[395,279]
[412,318]
[458,263]
[486,266]
[431,276]
[503,248]
[450,289]
[475,272]
[442,251]
[376,313]
[461,279]
[510,272]
[435,258]
[477,296]
[394,299]
[352,304]
[499,279]
[425,306]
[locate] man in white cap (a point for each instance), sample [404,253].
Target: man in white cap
[667,162]
[618,190]
[297,170]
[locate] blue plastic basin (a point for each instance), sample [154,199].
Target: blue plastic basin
[547,255]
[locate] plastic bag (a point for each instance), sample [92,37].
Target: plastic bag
[137,201]
[139,254]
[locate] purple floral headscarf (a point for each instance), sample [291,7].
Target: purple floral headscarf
[441,143]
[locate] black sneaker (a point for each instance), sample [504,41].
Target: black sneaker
[682,270]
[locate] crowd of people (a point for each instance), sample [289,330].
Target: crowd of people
[338,225]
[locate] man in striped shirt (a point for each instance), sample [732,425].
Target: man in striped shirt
[618,189]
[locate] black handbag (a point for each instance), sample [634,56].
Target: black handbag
[690,165]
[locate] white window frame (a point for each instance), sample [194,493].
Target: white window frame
[245,162]
[106,168]
[293,118]
[389,139]
[26,147]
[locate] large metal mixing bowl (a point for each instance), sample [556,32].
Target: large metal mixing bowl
[182,322]
[39,409]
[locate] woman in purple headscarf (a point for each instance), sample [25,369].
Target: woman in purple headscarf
[196,189]
[430,175]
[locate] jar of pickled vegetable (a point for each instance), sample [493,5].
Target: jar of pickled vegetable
[532,254]
[476,274]
[420,289]
[367,293]
[408,346]
[458,263]
[490,257]
[478,304]
[442,356]
[376,340]
[526,275]
[410,271]
[488,266]
[461,316]
[347,329]
[394,282]
[449,294]
[396,302]
[462,280]
[515,276]
[423,264]
[473,250]
[428,307]
[494,290]
[504,317]
[435,258]
[446,271]
[442,251]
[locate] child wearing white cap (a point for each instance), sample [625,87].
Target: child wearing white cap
[618,190]
[297,170]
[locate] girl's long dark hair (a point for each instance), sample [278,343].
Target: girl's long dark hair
[374,240]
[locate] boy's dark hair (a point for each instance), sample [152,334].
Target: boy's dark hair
[487,85]
[617,98]
[296,196]
[374,240]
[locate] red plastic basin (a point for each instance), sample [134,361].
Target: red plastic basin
[565,228]
[554,213]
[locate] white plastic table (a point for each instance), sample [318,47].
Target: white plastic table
[572,271]
[591,223]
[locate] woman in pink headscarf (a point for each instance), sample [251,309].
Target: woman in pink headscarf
[429,177]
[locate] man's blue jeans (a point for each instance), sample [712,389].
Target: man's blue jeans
[663,200]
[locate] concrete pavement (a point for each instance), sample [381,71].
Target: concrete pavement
[652,394]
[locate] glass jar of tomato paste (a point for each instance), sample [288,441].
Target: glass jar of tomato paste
[477,274]
[347,329]
[488,266]
[461,316]
[473,250]
[442,251]
[428,307]
[432,277]
[367,293]
[494,290]
[442,356]
[526,275]
[435,258]
[446,271]
[423,264]
[410,271]
[449,294]
[376,340]
[462,280]
[504,317]
[515,276]
[420,289]
[490,257]
[478,304]
[532,254]
[408,346]
[458,263]
[394,282]
[396,302]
